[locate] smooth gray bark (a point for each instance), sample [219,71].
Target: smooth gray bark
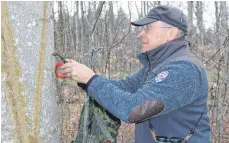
[27,21]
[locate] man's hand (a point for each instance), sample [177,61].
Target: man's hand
[76,71]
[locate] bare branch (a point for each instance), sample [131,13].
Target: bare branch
[224,44]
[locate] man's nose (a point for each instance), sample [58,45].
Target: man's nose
[141,33]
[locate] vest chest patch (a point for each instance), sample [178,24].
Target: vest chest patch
[161,76]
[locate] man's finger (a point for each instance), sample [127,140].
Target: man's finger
[66,65]
[70,61]
[66,70]
[69,74]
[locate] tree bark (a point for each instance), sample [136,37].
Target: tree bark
[29,106]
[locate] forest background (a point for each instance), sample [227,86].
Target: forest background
[100,34]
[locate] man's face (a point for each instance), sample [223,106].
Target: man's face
[153,36]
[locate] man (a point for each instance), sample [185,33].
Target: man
[167,97]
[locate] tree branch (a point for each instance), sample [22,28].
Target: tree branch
[97,14]
[224,44]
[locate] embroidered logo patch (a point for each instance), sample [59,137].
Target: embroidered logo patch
[161,76]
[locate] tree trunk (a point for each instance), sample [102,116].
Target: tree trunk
[190,15]
[61,28]
[200,23]
[224,15]
[190,25]
[29,106]
[217,23]
[82,30]
[111,23]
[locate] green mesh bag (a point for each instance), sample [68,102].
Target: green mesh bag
[102,126]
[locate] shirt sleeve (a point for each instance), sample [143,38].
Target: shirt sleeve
[129,83]
[178,89]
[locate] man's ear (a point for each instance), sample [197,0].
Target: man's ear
[173,32]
